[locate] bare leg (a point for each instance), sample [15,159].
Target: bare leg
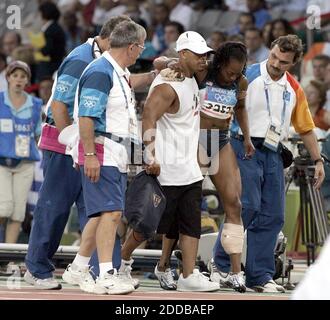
[88,241]
[133,240]
[189,247]
[227,180]
[167,248]
[12,231]
[106,234]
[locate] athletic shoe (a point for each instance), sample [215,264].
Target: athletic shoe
[234,281]
[124,273]
[76,275]
[197,282]
[111,284]
[217,276]
[46,284]
[237,282]
[165,278]
[269,287]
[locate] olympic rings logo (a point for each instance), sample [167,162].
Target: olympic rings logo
[62,88]
[89,103]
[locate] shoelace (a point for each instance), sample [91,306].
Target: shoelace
[237,279]
[214,267]
[168,276]
[126,273]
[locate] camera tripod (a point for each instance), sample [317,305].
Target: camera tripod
[312,215]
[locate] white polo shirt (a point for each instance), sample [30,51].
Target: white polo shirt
[286,91]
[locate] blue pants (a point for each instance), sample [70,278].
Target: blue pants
[262,213]
[61,188]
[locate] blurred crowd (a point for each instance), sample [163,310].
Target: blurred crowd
[51,29]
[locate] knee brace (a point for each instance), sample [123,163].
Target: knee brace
[232,238]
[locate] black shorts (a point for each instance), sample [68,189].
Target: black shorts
[183,211]
[213,140]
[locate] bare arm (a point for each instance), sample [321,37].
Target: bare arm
[142,79]
[60,115]
[310,142]
[91,164]
[163,62]
[242,118]
[159,101]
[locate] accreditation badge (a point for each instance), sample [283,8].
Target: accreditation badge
[6,125]
[272,138]
[22,146]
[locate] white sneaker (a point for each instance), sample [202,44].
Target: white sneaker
[269,287]
[76,275]
[197,282]
[46,284]
[111,284]
[124,273]
[165,278]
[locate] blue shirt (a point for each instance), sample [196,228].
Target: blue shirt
[68,76]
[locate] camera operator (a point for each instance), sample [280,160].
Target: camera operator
[274,99]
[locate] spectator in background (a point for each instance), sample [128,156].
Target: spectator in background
[172,32]
[266,32]
[3,64]
[54,49]
[319,69]
[10,41]
[45,90]
[316,95]
[246,21]
[320,63]
[327,84]
[279,27]
[180,12]
[259,9]
[73,33]
[257,51]
[216,39]
[20,116]
[25,53]
[160,18]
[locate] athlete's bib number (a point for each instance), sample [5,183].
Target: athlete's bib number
[217,110]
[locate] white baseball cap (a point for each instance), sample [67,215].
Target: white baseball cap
[192,41]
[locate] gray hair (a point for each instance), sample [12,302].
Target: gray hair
[126,33]
[109,26]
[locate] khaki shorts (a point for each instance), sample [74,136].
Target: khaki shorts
[15,184]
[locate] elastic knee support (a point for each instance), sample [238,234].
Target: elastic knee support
[232,238]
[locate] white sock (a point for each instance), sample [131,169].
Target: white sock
[105,267]
[81,261]
[125,263]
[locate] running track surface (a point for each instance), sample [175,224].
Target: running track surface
[17,289]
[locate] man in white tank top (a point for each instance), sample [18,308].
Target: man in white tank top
[170,132]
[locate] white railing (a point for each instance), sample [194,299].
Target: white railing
[22,248]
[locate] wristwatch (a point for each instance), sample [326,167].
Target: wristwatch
[318,160]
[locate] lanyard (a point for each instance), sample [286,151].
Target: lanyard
[133,128]
[122,88]
[285,95]
[96,50]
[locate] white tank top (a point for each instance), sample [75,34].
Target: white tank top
[177,136]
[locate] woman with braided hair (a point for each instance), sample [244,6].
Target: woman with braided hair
[223,91]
